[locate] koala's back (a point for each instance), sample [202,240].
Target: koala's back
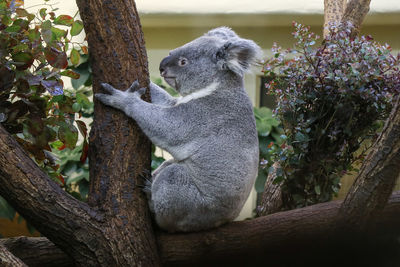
[210,187]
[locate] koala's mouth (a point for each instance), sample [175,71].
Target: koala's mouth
[171,81]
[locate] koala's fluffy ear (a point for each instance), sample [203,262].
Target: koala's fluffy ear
[224,33]
[238,55]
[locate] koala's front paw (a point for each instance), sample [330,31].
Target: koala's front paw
[109,88]
[141,91]
[108,100]
[134,86]
[135,89]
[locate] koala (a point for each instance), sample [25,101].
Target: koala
[209,130]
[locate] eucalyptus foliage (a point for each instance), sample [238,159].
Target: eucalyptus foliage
[36,50]
[331,97]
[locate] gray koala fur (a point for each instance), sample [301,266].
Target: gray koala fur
[210,131]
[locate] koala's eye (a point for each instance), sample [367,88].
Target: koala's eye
[182,61]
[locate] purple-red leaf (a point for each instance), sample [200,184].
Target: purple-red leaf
[56,58]
[64,20]
[85,151]
[70,73]
[54,87]
[82,128]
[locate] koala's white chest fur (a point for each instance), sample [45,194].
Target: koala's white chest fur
[198,94]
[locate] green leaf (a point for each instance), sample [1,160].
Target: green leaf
[84,188]
[260,181]
[23,60]
[58,33]
[84,76]
[156,162]
[21,12]
[57,144]
[13,28]
[46,25]
[68,134]
[75,56]
[42,13]
[64,20]
[82,99]
[6,20]
[300,137]
[47,34]
[76,28]
[6,211]
[70,73]
[263,128]
[76,107]
[263,112]
[33,35]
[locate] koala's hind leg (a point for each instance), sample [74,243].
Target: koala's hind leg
[175,199]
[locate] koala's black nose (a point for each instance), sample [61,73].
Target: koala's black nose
[163,65]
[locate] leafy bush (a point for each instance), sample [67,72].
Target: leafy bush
[270,137]
[33,56]
[330,98]
[36,49]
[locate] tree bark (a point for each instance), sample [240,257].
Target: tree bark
[333,12]
[377,178]
[119,152]
[7,259]
[308,235]
[37,252]
[355,12]
[115,230]
[70,224]
[273,237]
[271,199]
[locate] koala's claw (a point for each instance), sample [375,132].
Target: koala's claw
[108,88]
[141,91]
[134,86]
[104,98]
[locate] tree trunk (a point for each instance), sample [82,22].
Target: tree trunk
[119,152]
[333,12]
[271,200]
[377,178]
[115,230]
[355,12]
[7,259]
[309,235]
